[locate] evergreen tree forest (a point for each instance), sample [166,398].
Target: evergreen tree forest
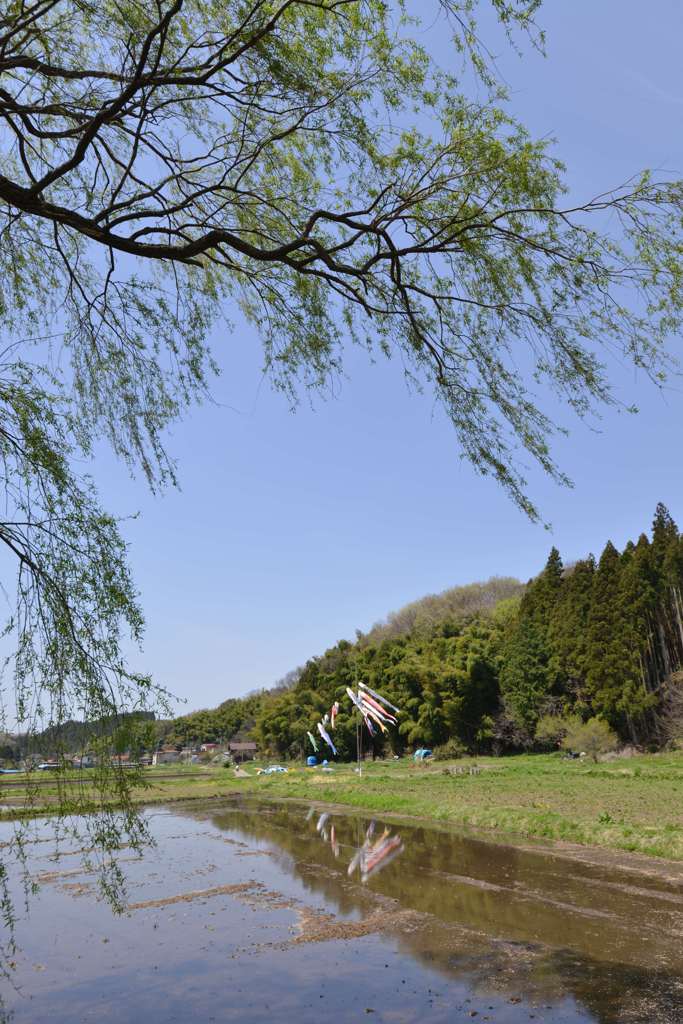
[478,668]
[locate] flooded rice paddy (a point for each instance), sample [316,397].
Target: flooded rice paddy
[254,912]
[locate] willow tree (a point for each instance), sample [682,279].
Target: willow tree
[307,162]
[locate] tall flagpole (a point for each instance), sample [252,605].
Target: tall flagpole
[375,711]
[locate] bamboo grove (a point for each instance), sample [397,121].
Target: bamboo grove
[483,668]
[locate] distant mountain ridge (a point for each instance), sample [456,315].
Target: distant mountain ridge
[73,736]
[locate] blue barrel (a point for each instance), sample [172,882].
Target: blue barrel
[311,761]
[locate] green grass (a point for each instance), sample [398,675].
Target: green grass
[631,804]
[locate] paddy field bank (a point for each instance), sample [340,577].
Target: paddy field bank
[630,804]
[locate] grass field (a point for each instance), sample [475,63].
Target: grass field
[633,804]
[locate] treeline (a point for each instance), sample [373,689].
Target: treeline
[233,718]
[73,737]
[484,668]
[456,603]
[603,640]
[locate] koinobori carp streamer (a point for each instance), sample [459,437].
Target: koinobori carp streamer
[356,700]
[368,701]
[323,733]
[373,707]
[380,698]
[371,713]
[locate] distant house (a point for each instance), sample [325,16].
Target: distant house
[83,761]
[32,761]
[242,751]
[124,761]
[169,756]
[209,747]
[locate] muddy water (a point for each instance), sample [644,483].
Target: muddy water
[255,912]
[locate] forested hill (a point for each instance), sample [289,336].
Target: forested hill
[488,667]
[72,736]
[454,603]
[457,604]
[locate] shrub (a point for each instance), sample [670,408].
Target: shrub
[451,750]
[552,729]
[593,737]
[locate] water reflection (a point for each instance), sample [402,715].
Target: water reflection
[249,912]
[524,921]
[369,858]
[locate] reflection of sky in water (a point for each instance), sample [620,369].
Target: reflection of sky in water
[441,926]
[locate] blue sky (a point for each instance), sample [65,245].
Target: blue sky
[292,530]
